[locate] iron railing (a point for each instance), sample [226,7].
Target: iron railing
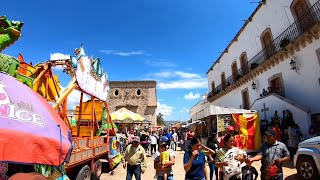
[294,31]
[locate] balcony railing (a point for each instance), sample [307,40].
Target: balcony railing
[293,32]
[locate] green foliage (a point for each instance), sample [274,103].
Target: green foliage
[160,120]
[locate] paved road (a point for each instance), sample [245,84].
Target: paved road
[120,173]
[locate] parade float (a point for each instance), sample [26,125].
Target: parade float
[90,153]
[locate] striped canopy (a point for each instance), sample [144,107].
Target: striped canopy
[124,115]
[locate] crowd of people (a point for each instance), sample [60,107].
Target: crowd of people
[288,131]
[225,160]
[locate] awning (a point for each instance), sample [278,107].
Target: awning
[217,110]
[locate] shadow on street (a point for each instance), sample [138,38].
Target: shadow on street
[289,165]
[293,177]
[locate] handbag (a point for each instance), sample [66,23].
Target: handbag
[273,170]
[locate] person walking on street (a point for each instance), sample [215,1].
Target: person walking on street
[229,159]
[190,135]
[272,154]
[293,139]
[194,161]
[174,140]
[167,168]
[153,141]
[214,145]
[134,159]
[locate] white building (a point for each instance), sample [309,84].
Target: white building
[277,47]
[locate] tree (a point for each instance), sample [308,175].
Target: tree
[160,119]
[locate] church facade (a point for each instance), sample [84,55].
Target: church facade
[273,63]
[137,96]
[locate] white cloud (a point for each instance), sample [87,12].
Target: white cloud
[74,98]
[160,63]
[185,84]
[187,75]
[56,56]
[191,96]
[180,74]
[125,54]
[164,109]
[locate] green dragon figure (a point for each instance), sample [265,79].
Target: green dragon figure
[10,31]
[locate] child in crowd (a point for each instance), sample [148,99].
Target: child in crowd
[164,157]
[248,171]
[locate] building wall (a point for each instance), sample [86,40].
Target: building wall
[275,15]
[273,103]
[303,89]
[144,104]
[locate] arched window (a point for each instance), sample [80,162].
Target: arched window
[213,87]
[223,80]
[244,64]
[266,41]
[234,70]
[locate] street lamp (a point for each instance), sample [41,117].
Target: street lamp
[293,65]
[254,85]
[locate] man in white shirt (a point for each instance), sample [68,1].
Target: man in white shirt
[153,142]
[175,140]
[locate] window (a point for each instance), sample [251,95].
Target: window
[139,92]
[234,70]
[266,42]
[244,64]
[213,87]
[223,80]
[116,92]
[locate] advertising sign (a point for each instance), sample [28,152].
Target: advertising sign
[90,76]
[113,147]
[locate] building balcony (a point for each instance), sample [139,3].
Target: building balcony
[303,29]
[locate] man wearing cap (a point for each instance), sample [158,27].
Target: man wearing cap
[168,165]
[135,159]
[272,154]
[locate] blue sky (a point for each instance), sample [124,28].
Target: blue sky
[171,41]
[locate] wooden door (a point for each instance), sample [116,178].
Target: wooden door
[234,71]
[277,86]
[266,41]
[302,15]
[244,64]
[245,99]
[300,8]
[213,87]
[223,81]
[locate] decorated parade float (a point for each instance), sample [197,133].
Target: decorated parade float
[56,147]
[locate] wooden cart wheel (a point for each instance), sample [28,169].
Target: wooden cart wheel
[84,173]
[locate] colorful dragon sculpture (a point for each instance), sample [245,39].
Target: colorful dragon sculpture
[10,31]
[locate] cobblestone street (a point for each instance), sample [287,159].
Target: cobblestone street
[120,173]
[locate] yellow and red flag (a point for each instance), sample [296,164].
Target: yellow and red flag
[249,127]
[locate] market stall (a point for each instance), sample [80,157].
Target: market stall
[246,123]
